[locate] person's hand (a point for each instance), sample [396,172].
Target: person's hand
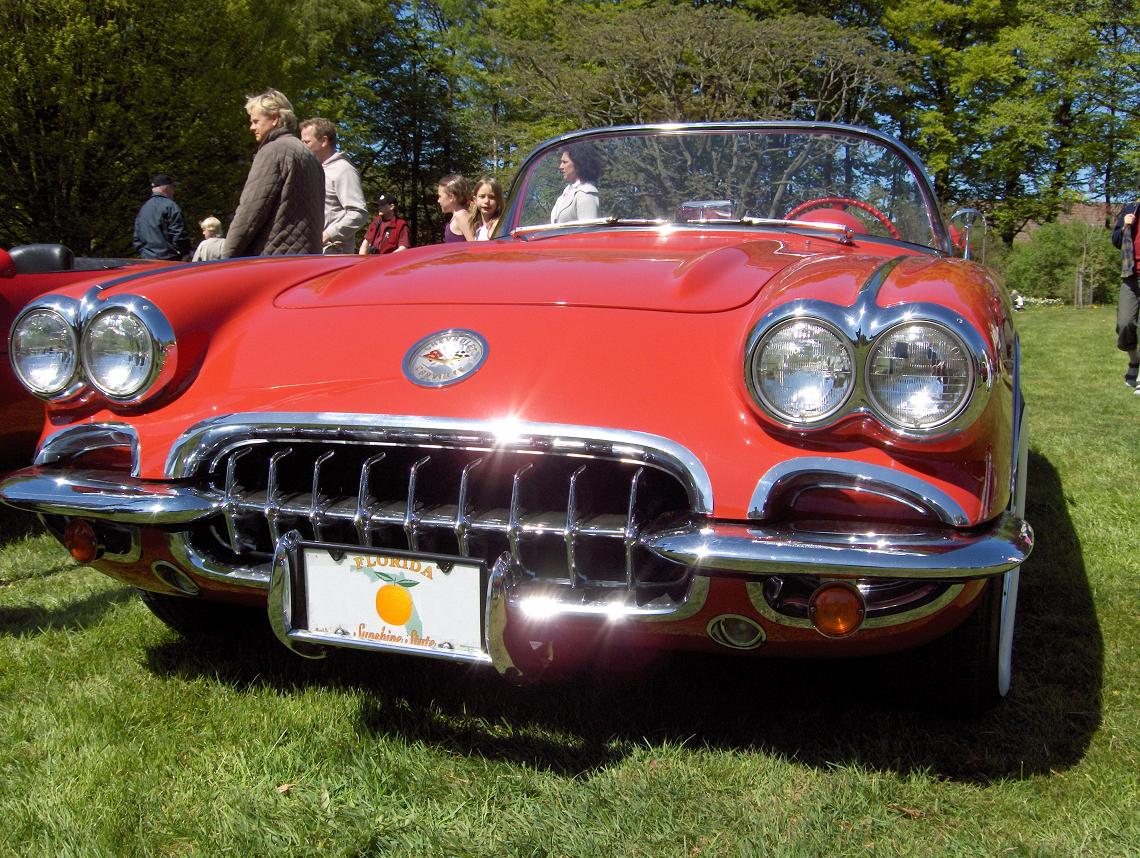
[1128,219]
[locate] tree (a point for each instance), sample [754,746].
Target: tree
[99,95]
[1004,105]
[675,63]
[397,92]
[1046,265]
[1111,150]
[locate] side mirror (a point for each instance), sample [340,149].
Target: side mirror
[961,238]
[7,265]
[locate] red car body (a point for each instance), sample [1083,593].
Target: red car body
[584,414]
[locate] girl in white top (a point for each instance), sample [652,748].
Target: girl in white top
[580,167]
[488,206]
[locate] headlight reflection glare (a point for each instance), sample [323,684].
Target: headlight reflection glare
[118,353]
[919,376]
[802,371]
[44,352]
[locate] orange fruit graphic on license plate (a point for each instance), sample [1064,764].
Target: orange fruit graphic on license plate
[394,604]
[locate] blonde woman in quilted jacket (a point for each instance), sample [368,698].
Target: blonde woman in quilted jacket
[282,207]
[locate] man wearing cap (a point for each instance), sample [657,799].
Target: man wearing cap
[160,229]
[345,211]
[387,233]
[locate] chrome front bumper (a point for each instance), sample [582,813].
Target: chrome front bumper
[505,599]
[745,549]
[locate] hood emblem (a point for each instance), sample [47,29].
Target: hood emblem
[445,357]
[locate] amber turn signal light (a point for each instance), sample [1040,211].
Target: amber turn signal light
[836,609]
[81,540]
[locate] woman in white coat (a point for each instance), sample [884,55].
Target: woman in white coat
[580,167]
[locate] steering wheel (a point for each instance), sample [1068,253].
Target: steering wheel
[842,203]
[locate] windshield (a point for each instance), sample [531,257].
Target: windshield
[715,174]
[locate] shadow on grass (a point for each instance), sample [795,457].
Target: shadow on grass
[81,614]
[16,524]
[867,712]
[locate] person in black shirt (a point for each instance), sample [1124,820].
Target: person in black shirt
[1128,306]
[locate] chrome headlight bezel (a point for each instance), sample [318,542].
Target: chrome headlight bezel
[861,328]
[160,349]
[755,353]
[66,312]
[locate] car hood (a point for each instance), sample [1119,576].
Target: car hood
[644,271]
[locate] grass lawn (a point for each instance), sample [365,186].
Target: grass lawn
[119,738]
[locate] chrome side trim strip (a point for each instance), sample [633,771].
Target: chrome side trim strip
[827,472]
[208,439]
[1017,497]
[921,554]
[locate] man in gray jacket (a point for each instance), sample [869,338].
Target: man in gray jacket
[345,209]
[282,205]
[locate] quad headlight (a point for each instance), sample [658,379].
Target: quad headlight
[125,349]
[801,371]
[919,376]
[917,369]
[44,352]
[118,353]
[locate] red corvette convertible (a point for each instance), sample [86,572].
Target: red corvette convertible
[721,387]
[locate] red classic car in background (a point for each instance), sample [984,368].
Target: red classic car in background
[755,405]
[25,273]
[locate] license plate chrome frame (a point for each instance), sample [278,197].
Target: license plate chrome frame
[288,600]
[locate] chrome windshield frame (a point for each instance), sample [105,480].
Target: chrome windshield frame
[517,193]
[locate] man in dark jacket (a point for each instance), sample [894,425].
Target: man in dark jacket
[160,229]
[1128,307]
[282,206]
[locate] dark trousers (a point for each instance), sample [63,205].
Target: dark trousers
[1127,312]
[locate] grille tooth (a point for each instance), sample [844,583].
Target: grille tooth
[317,503]
[632,527]
[231,505]
[462,519]
[514,524]
[571,531]
[411,520]
[361,517]
[273,497]
[565,518]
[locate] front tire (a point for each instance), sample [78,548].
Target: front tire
[979,655]
[201,620]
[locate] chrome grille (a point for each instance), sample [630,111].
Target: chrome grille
[572,520]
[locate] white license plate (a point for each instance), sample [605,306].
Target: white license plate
[418,603]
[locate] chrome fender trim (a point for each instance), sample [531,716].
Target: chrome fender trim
[78,440]
[829,472]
